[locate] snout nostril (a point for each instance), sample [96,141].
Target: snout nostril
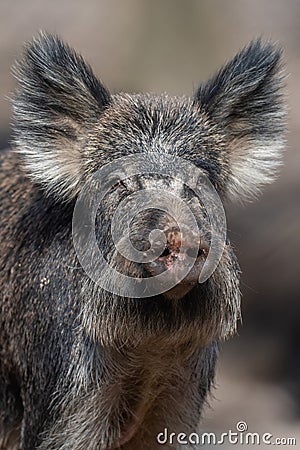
[166,252]
[200,252]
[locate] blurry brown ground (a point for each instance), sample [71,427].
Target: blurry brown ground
[172,45]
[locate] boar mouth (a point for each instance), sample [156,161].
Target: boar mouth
[174,262]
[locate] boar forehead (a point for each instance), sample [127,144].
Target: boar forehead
[148,123]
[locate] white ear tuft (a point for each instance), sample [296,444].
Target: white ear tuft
[252,167]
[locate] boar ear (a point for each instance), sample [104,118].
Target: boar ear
[58,101]
[244,99]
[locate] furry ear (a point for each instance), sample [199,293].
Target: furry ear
[57,102]
[244,99]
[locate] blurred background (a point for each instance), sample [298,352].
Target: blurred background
[171,46]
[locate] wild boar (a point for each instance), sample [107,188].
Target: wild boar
[83,367]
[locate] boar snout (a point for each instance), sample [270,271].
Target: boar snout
[182,250]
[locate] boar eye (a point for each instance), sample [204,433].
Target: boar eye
[166,252]
[118,184]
